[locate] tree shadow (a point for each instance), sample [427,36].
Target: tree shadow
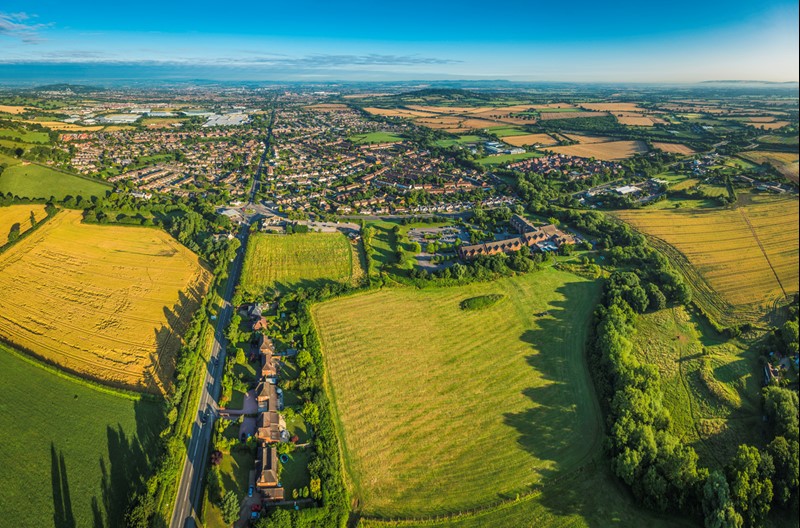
[63,516]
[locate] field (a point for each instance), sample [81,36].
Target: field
[375,137]
[530,139]
[283,261]
[548,115]
[443,409]
[18,214]
[674,148]
[115,309]
[72,455]
[784,162]
[741,262]
[30,180]
[768,126]
[505,158]
[711,387]
[26,136]
[609,151]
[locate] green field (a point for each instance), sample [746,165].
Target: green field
[71,456]
[37,181]
[505,158]
[461,140]
[507,131]
[375,137]
[711,387]
[25,136]
[284,261]
[442,409]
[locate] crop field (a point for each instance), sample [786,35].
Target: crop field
[443,409]
[18,214]
[115,309]
[281,261]
[30,180]
[530,139]
[609,151]
[637,120]
[375,137]
[673,148]
[69,127]
[711,386]
[548,115]
[586,139]
[779,140]
[15,110]
[740,262]
[399,112]
[768,126]
[72,455]
[613,107]
[784,162]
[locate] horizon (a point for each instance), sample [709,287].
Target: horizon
[624,44]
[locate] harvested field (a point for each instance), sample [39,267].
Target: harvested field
[609,151]
[768,126]
[115,310]
[481,123]
[530,139]
[586,139]
[15,110]
[743,261]
[547,116]
[784,162]
[501,386]
[282,261]
[674,148]
[18,214]
[613,107]
[635,120]
[544,107]
[72,127]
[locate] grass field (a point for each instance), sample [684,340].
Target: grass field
[116,306]
[505,158]
[26,136]
[31,180]
[18,214]
[375,137]
[740,262]
[283,261]
[711,387]
[443,409]
[502,132]
[72,456]
[610,151]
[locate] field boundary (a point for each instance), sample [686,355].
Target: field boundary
[32,359]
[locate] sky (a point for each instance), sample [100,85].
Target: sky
[577,41]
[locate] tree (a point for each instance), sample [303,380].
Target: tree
[13,234]
[310,413]
[141,509]
[717,505]
[33,219]
[749,474]
[278,518]
[656,299]
[786,458]
[304,359]
[230,508]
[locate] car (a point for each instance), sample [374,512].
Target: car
[250,491]
[204,417]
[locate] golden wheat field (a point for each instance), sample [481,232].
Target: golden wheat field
[673,148]
[18,214]
[529,139]
[787,163]
[609,151]
[107,302]
[12,109]
[748,255]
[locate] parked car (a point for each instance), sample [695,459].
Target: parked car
[250,491]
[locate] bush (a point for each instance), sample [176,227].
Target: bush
[480,303]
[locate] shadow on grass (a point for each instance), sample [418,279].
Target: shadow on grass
[62,502]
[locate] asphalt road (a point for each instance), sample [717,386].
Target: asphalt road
[188,496]
[190,487]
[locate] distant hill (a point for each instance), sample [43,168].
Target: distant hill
[445,93]
[744,81]
[65,87]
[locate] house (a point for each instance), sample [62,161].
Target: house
[267,396]
[260,324]
[544,238]
[269,427]
[251,311]
[267,468]
[272,494]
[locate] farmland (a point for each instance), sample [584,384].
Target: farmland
[30,180]
[711,386]
[18,214]
[77,453]
[784,162]
[530,139]
[284,261]
[124,296]
[443,409]
[609,151]
[740,261]
[674,148]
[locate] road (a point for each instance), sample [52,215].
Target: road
[190,486]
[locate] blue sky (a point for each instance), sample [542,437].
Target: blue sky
[678,41]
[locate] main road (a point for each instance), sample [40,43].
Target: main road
[190,486]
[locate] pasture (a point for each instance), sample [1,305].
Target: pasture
[18,214]
[442,409]
[72,455]
[116,308]
[740,262]
[711,386]
[609,151]
[31,180]
[283,261]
